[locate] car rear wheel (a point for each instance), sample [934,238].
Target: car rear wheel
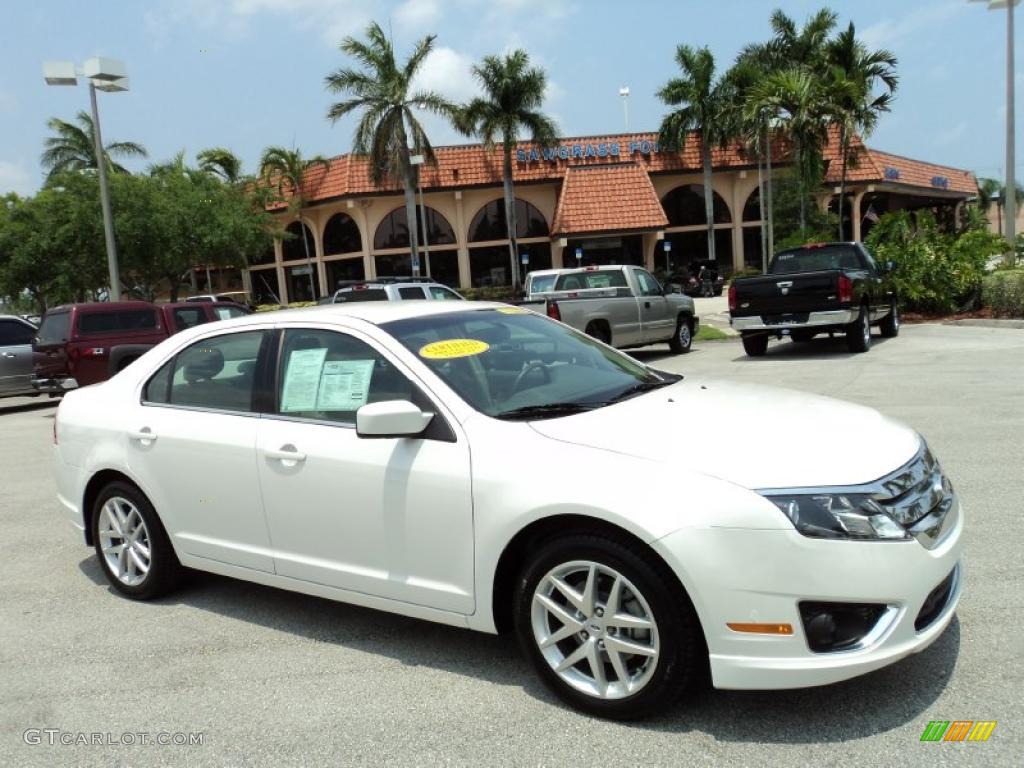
[682,340]
[599,332]
[890,325]
[603,628]
[131,544]
[755,344]
[858,333]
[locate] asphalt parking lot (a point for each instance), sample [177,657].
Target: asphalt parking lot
[275,678]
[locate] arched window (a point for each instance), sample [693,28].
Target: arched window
[292,247]
[684,207]
[489,222]
[341,235]
[393,231]
[752,208]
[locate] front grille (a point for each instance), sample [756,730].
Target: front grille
[936,601]
[915,491]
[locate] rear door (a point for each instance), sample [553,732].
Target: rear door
[15,355]
[656,320]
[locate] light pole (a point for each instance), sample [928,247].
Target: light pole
[107,75]
[417,160]
[624,93]
[1011,176]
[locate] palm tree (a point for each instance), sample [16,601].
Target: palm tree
[513,95]
[74,148]
[222,163]
[704,104]
[854,73]
[280,168]
[382,91]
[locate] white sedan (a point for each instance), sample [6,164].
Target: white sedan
[486,467]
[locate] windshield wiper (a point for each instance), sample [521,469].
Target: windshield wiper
[639,389]
[546,410]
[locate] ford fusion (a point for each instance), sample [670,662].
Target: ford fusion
[486,467]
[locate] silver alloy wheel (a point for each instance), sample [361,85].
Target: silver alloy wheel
[865,325]
[595,629]
[683,333]
[895,316]
[124,540]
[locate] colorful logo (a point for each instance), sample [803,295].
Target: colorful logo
[958,730]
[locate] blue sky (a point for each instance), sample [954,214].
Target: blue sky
[249,73]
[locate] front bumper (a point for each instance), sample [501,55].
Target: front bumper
[828,318]
[739,575]
[54,385]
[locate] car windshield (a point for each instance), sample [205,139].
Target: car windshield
[813,259]
[542,283]
[514,364]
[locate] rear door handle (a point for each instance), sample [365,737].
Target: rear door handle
[285,453]
[145,435]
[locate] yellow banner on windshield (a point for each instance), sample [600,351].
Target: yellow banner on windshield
[453,348]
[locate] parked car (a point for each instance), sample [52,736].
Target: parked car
[539,282]
[702,279]
[16,336]
[390,440]
[821,288]
[393,289]
[622,306]
[81,344]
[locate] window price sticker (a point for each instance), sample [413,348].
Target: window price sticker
[453,348]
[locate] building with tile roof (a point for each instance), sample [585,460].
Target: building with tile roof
[587,200]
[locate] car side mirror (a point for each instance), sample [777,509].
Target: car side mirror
[890,266]
[391,418]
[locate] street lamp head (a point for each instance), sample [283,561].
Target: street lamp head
[59,73]
[110,86]
[996,5]
[624,91]
[104,69]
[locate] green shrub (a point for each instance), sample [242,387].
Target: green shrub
[746,272]
[293,305]
[935,271]
[1003,292]
[490,293]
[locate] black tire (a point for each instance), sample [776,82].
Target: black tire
[890,325]
[682,652]
[801,337]
[755,344]
[682,338]
[599,332]
[164,571]
[858,333]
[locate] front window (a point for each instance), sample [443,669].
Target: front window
[440,293]
[188,318]
[513,364]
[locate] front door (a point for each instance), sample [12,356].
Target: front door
[15,356]
[656,320]
[192,445]
[390,517]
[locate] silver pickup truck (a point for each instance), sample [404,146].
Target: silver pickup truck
[619,305]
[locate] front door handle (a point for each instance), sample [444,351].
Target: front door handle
[144,435]
[647,305]
[286,453]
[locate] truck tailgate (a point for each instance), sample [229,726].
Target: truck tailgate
[775,294]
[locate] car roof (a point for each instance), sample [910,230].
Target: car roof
[374,312]
[107,306]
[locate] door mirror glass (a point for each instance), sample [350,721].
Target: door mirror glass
[391,418]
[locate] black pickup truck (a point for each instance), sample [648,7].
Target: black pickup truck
[820,288]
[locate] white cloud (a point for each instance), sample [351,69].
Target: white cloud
[448,72]
[888,33]
[418,15]
[15,178]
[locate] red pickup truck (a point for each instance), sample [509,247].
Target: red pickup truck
[81,344]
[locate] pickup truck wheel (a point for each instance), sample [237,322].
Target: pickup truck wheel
[683,338]
[599,332]
[131,543]
[890,325]
[858,333]
[755,344]
[604,628]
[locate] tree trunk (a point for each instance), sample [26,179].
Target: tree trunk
[771,196]
[798,154]
[410,200]
[760,203]
[843,142]
[510,216]
[709,194]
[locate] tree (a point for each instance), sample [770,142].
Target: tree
[283,168]
[74,148]
[383,93]
[853,75]
[513,95]
[703,105]
[222,163]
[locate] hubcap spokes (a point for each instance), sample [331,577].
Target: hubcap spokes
[124,540]
[595,629]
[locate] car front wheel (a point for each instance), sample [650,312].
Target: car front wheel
[682,340]
[131,544]
[604,629]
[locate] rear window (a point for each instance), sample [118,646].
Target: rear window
[411,293]
[117,320]
[367,294]
[542,283]
[580,280]
[188,318]
[55,327]
[813,259]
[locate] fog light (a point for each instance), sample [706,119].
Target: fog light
[838,626]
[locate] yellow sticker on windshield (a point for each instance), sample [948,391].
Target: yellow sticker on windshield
[511,310]
[452,348]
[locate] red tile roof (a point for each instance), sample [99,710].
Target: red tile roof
[460,167]
[607,198]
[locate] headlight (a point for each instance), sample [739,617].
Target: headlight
[838,516]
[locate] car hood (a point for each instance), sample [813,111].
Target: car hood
[751,435]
